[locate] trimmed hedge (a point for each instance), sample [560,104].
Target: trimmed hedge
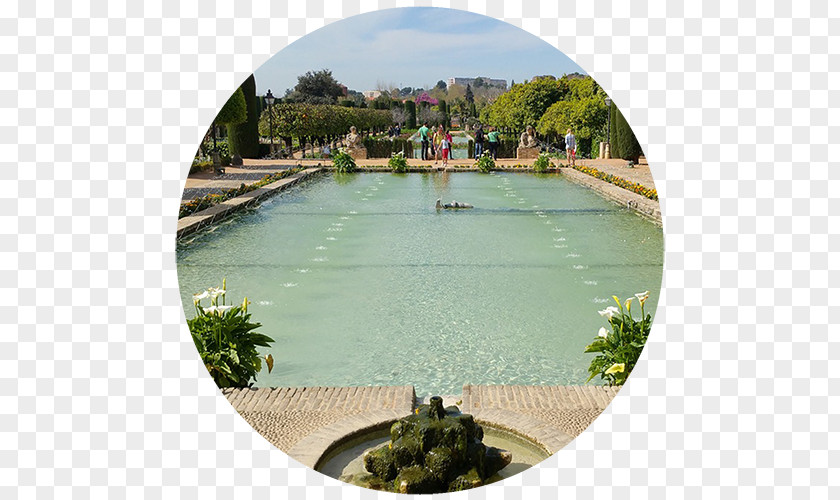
[384,148]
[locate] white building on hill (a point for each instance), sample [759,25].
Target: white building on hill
[489,82]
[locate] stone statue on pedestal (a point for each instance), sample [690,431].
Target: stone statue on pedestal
[527,139]
[527,145]
[353,142]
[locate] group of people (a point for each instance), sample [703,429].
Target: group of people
[439,143]
[493,140]
[394,130]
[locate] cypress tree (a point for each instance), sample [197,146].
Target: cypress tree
[623,142]
[410,114]
[244,137]
[444,111]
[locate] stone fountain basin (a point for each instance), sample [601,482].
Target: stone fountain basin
[344,460]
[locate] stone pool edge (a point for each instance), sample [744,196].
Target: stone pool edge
[209,216]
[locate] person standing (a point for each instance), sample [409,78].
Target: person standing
[479,141]
[436,140]
[424,141]
[570,147]
[493,141]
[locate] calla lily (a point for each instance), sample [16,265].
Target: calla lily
[643,297]
[609,312]
[603,332]
[616,368]
[217,309]
[199,296]
[627,303]
[245,303]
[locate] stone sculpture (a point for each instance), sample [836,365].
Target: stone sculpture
[353,143]
[434,450]
[527,144]
[527,139]
[454,204]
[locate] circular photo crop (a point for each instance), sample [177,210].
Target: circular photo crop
[419,250]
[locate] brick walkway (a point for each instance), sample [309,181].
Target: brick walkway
[306,422]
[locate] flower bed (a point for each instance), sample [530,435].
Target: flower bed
[209,200]
[618,181]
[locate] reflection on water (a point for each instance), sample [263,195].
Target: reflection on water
[370,292]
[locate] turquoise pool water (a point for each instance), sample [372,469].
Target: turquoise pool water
[362,282]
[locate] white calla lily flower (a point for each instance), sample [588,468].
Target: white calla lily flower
[609,312]
[603,332]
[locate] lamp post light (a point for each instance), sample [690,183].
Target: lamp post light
[270,100]
[608,149]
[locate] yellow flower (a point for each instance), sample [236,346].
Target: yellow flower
[627,303]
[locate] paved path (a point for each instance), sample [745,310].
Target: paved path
[287,415]
[569,408]
[204,183]
[306,422]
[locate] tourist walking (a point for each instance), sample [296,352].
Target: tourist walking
[570,147]
[479,141]
[436,140]
[493,141]
[424,141]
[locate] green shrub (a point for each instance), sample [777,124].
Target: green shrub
[621,347]
[542,163]
[226,341]
[343,162]
[398,163]
[485,163]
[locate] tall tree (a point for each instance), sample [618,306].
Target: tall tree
[244,137]
[410,114]
[441,85]
[468,95]
[316,87]
[623,142]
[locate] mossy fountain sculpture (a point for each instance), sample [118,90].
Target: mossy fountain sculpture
[434,450]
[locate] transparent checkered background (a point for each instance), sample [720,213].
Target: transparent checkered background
[101,394]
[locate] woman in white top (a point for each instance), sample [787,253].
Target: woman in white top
[570,147]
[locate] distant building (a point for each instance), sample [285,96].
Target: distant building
[488,82]
[371,94]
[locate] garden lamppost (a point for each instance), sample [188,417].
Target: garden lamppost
[608,149]
[270,100]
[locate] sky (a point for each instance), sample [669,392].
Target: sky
[413,47]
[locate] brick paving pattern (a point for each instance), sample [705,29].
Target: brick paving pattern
[569,408]
[306,422]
